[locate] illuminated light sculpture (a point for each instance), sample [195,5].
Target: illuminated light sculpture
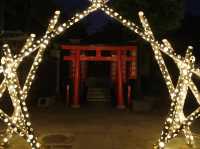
[176,121]
[19,122]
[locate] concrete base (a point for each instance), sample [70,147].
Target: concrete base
[121,107]
[75,106]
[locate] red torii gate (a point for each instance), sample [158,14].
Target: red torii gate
[119,57]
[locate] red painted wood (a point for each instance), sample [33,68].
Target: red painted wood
[133,69]
[98,58]
[123,56]
[98,52]
[69,58]
[117,57]
[97,47]
[129,96]
[113,69]
[67,95]
[120,97]
[76,99]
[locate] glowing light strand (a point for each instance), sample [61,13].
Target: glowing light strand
[176,115]
[176,120]
[132,26]
[19,122]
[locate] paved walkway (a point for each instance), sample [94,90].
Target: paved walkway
[102,128]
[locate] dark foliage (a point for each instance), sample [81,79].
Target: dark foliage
[164,15]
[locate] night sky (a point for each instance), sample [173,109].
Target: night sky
[98,20]
[193,7]
[95,21]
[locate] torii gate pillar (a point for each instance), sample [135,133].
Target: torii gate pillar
[120,96]
[76,100]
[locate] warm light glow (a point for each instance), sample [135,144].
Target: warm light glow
[176,122]
[19,123]
[99,1]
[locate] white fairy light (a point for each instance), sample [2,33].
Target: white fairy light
[176,120]
[161,144]
[19,122]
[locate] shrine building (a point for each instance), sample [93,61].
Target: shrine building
[99,73]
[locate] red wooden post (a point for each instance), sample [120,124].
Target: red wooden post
[83,69]
[76,100]
[124,67]
[129,96]
[120,97]
[133,65]
[118,68]
[98,52]
[72,65]
[67,95]
[113,69]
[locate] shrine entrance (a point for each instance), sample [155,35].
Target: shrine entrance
[98,82]
[101,69]
[98,69]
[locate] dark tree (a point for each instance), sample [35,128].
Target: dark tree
[163,15]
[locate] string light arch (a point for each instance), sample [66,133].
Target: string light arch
[176,122]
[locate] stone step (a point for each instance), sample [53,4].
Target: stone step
[102,100]
[98,94]
[98,89]
[98,97]
[102,82]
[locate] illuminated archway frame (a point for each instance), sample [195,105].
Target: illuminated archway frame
[19,122]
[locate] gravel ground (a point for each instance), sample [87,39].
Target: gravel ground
[102,127]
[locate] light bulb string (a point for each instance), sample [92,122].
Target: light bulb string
[20,116]
[178,94]
[176,110]
[50,35]
[132,26]
[161,47]
[12,80]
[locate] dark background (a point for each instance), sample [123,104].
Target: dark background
[22,14]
